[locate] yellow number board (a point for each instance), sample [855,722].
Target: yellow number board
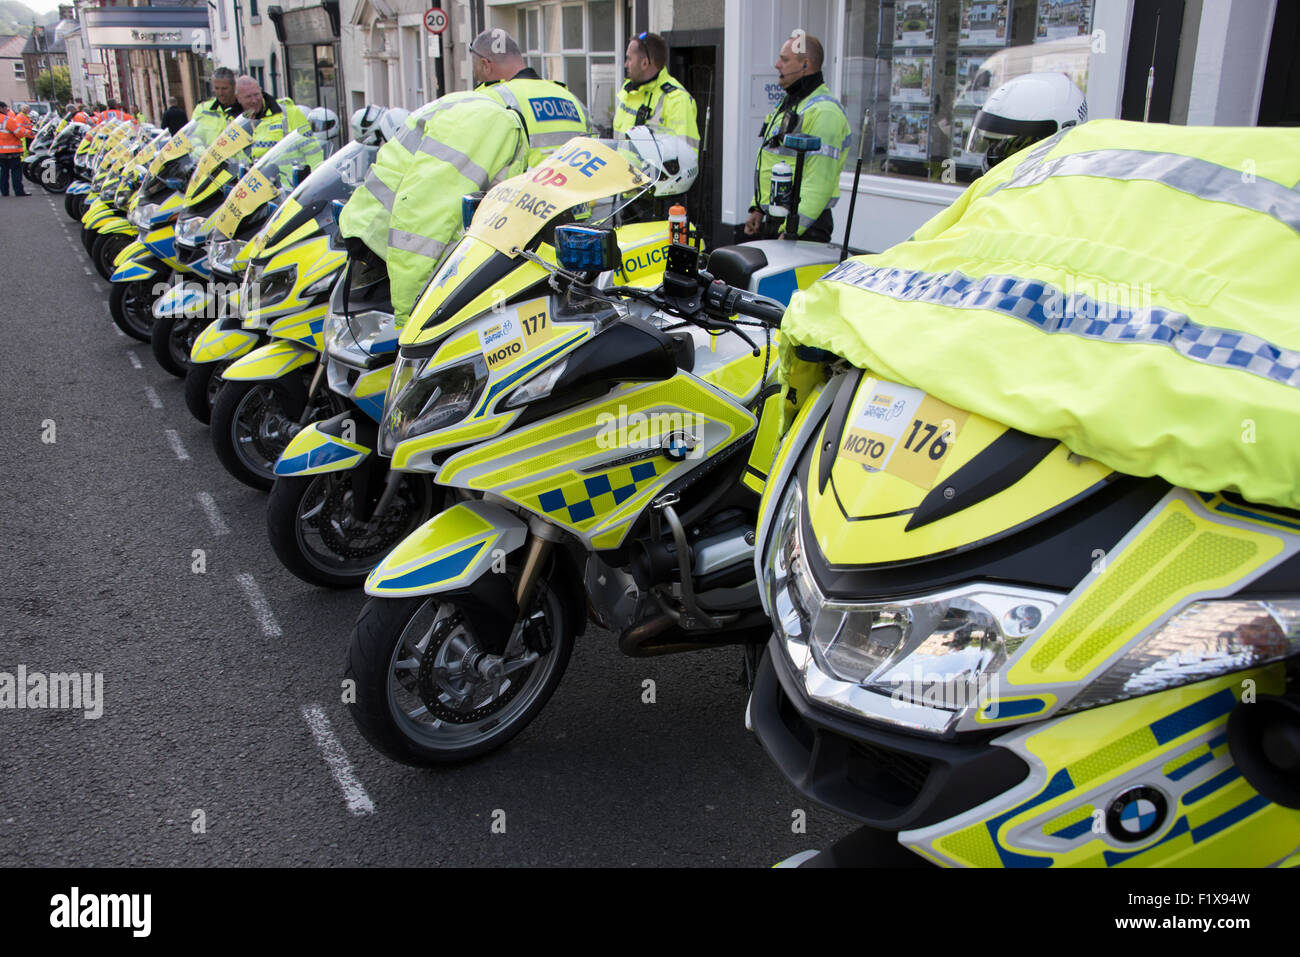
[902,431]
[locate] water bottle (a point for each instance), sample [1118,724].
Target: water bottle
[677,224]
[782,183]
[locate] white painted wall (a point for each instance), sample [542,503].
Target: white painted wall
[1231,53]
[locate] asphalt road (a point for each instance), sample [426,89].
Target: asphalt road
[204,754]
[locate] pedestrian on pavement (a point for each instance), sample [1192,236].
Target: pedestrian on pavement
[11,151]
[173,117]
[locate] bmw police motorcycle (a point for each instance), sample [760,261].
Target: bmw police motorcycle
[605,441]
[336,508]
[989,650]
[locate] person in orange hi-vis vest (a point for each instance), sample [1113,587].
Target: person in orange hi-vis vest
[11,151]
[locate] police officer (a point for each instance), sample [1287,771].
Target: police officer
[274,121]
[551,114]
[651,97]
[808,108]
[11,151]
[409,207]
[215,114]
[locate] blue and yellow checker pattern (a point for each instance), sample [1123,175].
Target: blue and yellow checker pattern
[584,500]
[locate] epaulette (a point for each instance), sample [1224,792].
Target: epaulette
[668,87]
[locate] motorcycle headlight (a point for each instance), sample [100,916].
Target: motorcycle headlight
[920,663]
[222,252]
[353,338]
[142,214]
[1205,639]
[538,387]
[275,286]
[926,662]
[421,399]
[189,230]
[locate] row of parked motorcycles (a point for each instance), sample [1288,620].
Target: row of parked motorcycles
[584,420]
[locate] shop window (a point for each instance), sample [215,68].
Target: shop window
[925,67]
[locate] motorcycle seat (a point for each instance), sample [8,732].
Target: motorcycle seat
[736,265]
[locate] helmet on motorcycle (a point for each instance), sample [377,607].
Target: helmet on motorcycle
[324,123]
[676,162]
[1023,111]
[374,125]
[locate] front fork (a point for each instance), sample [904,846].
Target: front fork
[542,538]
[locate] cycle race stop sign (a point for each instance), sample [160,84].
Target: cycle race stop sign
[435,21]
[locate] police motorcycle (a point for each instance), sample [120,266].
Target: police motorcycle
[56,170]
[117,179]
[601,434]
[144,270]
[106,150]
[234,227]
[336,509]
[989,650]
[181,314]
[268,392]
[38,150]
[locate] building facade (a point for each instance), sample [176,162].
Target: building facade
[13,70]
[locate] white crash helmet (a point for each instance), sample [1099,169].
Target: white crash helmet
[1023,111]
[324,124]
[674,159]
[375,125]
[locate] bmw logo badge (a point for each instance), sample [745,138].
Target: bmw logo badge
[678,445]
[1136,814]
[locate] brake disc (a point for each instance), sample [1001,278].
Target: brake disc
[459,678]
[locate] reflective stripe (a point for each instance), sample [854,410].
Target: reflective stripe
[415,243]
[380,191]
[1050,310]
[410,138]
[464,165]
[692,142]
[507,97]
[625,108]
[1187,174]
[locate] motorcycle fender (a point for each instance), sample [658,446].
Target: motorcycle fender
[96,209]
[81,186]
[130,252]
[272,361]
[114,225]
[449,552]
[215,344]
[143,266]
[324,447]
[186,299]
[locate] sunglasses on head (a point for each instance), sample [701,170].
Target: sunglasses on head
[640,41]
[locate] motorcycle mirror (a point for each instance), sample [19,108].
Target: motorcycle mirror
[586,249]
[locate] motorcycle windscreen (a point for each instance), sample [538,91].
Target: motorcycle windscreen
[272,178]
[332,179]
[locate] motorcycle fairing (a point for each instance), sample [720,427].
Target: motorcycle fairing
[314,450]
[448,552]
[218,342]
[272,361]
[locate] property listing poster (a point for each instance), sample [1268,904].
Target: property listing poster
[984,23]
[914,24]
[912,79]
[909,132]
[972,85]
[962,121]
[1061,19]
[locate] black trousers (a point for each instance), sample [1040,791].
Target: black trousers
[11,168]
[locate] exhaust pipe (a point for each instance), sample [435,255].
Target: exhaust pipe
[1264,741]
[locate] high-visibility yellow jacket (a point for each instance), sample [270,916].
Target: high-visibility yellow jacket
[551,114]
[1125,288]
[276,120]
[659,102]
[212,118]
[409,207]
[819,114]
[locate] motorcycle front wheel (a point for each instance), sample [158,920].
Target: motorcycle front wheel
[172,339]
[105,249]
[202,383]
[316,536]
[72,205]
[419,699]
[55,178]
[131,306]
[88,238]
[251,424]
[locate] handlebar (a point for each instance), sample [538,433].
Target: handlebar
[732,301]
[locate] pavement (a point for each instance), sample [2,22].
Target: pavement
[127,551]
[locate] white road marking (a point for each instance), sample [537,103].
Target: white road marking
[86,270]
[261,608]
[118,331]
[174,440]
[219,526]
[354,794]
[135,359]
[149,392]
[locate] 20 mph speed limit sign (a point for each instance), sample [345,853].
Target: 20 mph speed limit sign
[435,21]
